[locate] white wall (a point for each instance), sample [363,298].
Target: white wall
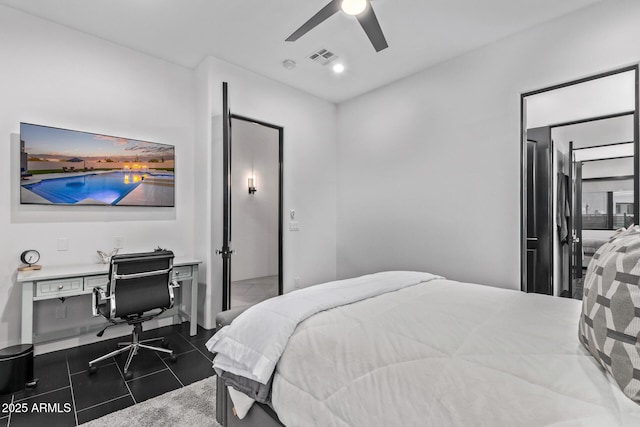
[55,76]
[204,215]
[599,132]
[429,166]
[254,217]
[609,167]
[309,172]
[606,95]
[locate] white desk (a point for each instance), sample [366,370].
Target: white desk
[70,281]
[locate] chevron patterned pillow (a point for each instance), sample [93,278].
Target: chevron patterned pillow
[609,325]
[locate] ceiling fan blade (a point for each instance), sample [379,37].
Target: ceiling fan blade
[371,26]
[326,12]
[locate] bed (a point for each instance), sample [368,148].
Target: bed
[436,352]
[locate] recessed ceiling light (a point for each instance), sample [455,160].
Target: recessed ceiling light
[338,68]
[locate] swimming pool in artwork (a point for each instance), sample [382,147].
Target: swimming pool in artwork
[108,188]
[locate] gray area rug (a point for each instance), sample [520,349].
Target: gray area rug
[193,406]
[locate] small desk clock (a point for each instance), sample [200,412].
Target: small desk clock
[30,257]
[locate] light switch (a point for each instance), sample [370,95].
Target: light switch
[294,226]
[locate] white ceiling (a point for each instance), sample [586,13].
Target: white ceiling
[251,33]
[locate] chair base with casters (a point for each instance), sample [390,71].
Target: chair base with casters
[140,288]
[133,347]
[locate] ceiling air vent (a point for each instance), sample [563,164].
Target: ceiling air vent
[323,56]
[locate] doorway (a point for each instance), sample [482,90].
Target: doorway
[252,157]
[579,176]
[256,211]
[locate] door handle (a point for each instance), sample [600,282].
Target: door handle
[225,253]
[574,237]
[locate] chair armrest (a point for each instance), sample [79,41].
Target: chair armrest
[98,298]
[172,285]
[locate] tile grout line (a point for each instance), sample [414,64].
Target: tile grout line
[203,339]
[39,394]
[193,345]
[86,370]
[102,403]
[200,351]
[182,336]
[189,338]
[125,382]
[73,399]
[170,370]
[180,354]
[146,375]
[185,338]
[187,352]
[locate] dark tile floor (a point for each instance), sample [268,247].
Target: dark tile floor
[67,395]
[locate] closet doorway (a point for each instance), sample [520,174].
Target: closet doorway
[579,176]
[256,211]
[251,252]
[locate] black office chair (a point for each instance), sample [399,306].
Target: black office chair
[138,284]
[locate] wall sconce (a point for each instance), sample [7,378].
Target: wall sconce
[252,187]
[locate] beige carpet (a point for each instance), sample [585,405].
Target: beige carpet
[193,405]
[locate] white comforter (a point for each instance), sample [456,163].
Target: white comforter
[251,347]
[445,353]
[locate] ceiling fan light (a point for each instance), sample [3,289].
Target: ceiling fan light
[353,7]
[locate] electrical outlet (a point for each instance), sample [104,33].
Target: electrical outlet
[61,312]
[63,244]
[294,226]
[118,242]
[296,283]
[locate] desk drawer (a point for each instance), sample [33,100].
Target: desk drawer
[56,288]
[93,281]
[182,273]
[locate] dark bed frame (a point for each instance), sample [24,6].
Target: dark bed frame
[260,415]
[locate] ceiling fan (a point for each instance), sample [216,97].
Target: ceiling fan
[361,9]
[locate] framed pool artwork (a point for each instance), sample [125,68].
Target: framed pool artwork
[69,167]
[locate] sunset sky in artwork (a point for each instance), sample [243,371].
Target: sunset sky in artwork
[63,143]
